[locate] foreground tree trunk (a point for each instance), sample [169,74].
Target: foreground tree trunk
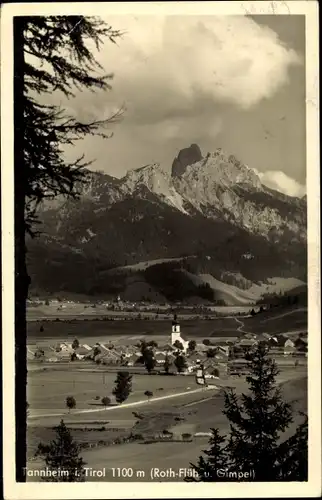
[21,276]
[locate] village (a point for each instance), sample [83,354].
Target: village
[218,357]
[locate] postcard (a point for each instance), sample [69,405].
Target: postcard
[161,250]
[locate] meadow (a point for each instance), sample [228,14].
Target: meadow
[127,331]
[192,413]
[130,331]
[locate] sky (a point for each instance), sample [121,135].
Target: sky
[235,82]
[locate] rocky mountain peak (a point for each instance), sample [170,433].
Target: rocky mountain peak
[186,157]
[153,176]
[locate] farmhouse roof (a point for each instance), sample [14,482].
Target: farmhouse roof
[133,358]
[160,356]
[168,347]
[246,342]
[81,350]
[109,355]
[197,356]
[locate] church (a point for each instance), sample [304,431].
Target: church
[176,334]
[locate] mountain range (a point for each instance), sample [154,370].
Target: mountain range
[211,214]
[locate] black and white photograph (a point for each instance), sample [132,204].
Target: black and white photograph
[164,240]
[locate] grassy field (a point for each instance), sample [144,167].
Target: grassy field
[130,330]
[47,390]
[275,321]
[191,413]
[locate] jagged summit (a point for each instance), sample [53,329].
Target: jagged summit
[186,157]
[152,176]
[221,169]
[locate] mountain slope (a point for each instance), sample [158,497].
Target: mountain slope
[215,209]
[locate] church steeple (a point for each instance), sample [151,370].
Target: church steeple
[175,325]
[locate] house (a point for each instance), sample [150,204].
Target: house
[168,348]
[289,347]
[160,358]
[238,367]
[223,350]
[62,355]
[109,358]
[196,357]
[220,356]
[53,359]
[64,347]
[81,352]
[103,347]
[132,360]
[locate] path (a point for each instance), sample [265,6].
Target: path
[241,324]
[127,405]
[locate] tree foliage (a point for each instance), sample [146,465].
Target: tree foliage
[148,394]
[123,386]
[70,403]
[166,364]
[258,421]
[147,355]
[180,363]
[192,345]
[59,59]
[62,454]
[178,345]
[106,401]
[53,57]
[75,344]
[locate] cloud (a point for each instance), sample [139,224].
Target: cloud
[178,58]
[188,79]
[281,182]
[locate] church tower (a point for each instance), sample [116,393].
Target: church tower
[175,335]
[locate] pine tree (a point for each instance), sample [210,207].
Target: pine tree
[123,386]
[258,420]
[295,452]
[208,469]
[62,455]
[50,54]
